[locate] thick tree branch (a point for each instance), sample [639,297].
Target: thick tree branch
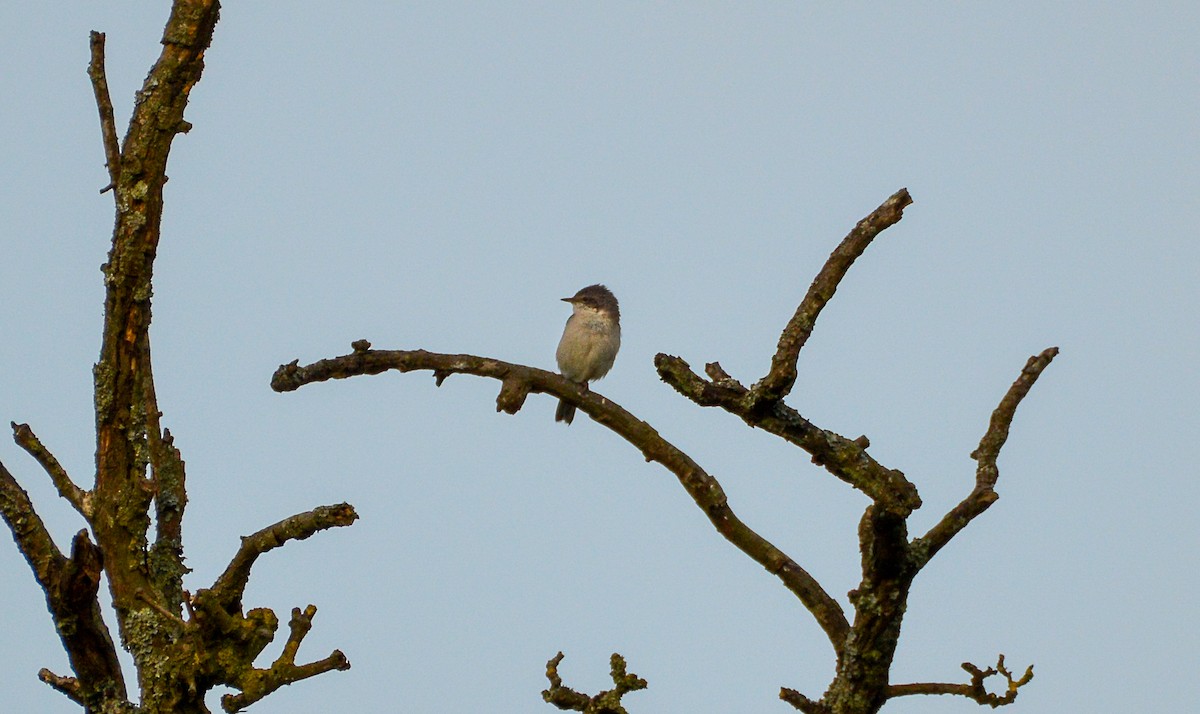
[845,458]
[973,690]
[705,490]
[126,412]
[258,683]
[70,585]
[29,532]
[90,647]
[108,124]
[606,702]
[779,381]
[986,472]
[228,588]
[80,499]
[761,406]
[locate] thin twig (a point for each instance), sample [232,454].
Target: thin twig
[993,440]
[108,124]
[983,494]
[779,381]
[80,499]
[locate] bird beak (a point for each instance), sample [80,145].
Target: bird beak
[570,300]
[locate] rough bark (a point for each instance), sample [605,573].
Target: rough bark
[177,660]
[606,702]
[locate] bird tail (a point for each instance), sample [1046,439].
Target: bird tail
[566,412]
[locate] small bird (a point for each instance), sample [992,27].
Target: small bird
[589,342]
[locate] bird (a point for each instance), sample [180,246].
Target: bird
[589,341]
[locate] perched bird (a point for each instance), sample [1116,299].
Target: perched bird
[589,342]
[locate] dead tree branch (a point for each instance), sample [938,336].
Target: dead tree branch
[801,702]
[80,499]
[230,586]
[890,561]
[761,406]
[170,500]
[125,408]
[778,382]
[108,124]
[986,472]
[606,702]
[71,586]
[974,689]
[704,489]
[68,686]
[845,458]
[258,683]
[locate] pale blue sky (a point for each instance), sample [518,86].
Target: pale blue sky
[438,175]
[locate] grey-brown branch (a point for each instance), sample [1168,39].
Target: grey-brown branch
[519,380]
[80,499]
[230,586]
[779,381]
[606,702]
[975,689]
[177,659]
[108,124]
[71,585]
[845,458]
[258,683]
[983,495]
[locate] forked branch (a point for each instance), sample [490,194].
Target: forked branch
[71,585]
[258,683]
[975,689]
[845,458]
[761,406]
[606,702]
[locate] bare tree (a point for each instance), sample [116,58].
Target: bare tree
[140,474]
[183,644]
[865,646]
